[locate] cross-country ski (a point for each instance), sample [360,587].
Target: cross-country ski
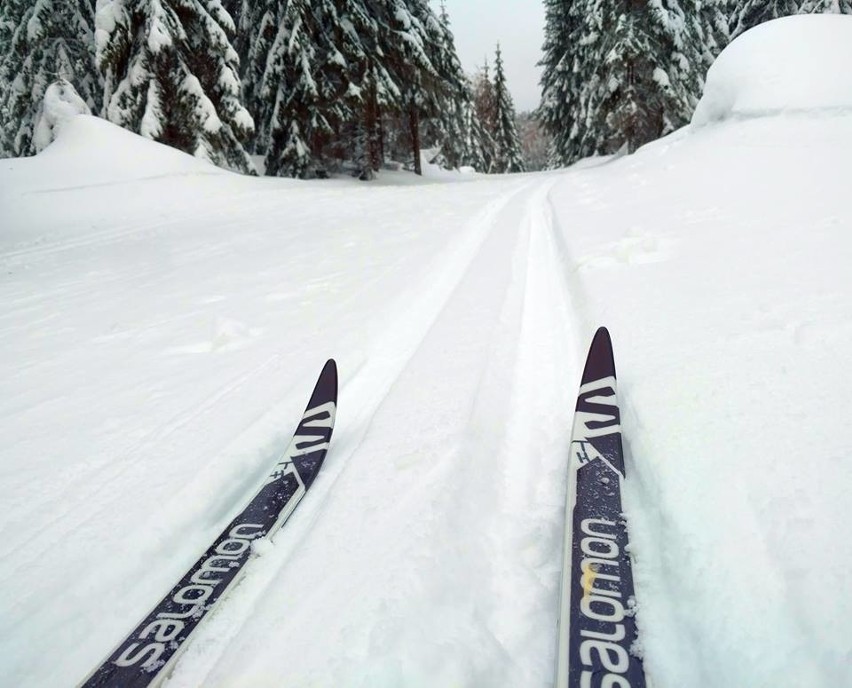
[145,656]
[597,625]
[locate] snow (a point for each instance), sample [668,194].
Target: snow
[159,36]
[163,322]
[61,103]
[782,66]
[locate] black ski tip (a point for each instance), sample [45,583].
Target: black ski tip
[600,363]
[326,387]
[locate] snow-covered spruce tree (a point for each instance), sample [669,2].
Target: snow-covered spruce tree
[485,110]
[409,61]
[569,40]
[655,73]
[448,127]
[478,143]
[633,71]
[170,74]
[715,30]
[304,103]
[746,14]
[41,42]
[507,143]
[311,88]
[825,7]
[535,143]
[259,25]
[365,44]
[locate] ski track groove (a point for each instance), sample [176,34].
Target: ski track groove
[522,390]
[533,243]
[366,390]
[406,327]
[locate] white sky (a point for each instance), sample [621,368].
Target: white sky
[518,25]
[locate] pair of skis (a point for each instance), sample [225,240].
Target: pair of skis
[597,626]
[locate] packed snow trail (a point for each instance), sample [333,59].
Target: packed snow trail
[458,604]
[207,325]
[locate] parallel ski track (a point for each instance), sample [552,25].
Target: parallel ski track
[521,328]
[405,329]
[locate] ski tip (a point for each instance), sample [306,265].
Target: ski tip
[326,387]
[600,362]
[330,369]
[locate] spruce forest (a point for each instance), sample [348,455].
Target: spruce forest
[311,88]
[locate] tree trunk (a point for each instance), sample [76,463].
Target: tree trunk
[414,133]
[368,153]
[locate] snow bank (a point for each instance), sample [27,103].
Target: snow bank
[91,150]
[90,153]
[786,65]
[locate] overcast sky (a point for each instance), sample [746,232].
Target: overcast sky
[519,27]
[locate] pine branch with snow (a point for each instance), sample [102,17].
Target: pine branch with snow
[171,75]
[42,41]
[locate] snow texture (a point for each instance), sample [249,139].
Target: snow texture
[786,65]
[164,320]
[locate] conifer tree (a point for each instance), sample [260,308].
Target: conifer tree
[375,79]
[485,104]
[477,140]
[350,79]
[305,84]
[619,74]
[406,48]
[655,70]
[41,42]
[170,74]
[714,30]
[825,7]
[259,22]
[447,125]
[566,65]
[747,14]
[507,144]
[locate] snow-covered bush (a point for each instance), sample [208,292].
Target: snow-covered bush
[61,103]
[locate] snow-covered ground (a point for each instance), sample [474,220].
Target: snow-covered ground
[163,322]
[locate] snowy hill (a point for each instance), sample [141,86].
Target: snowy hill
[163,322]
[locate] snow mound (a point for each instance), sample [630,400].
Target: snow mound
[61,104]
[793,64]
[91,150]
